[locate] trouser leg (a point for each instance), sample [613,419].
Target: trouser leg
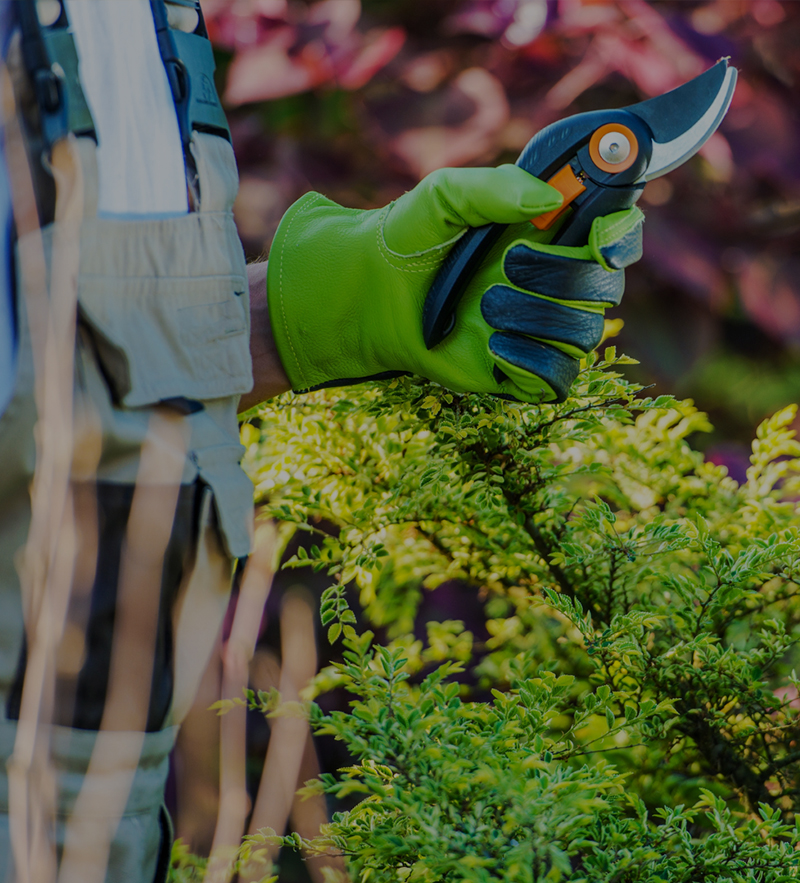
[139,848]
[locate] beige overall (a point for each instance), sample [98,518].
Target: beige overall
[163,315]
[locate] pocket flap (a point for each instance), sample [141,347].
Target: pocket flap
[218,466]
[168,305]
[164,338]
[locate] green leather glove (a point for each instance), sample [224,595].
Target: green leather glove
[346,287]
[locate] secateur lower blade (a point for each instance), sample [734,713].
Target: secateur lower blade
[600,161]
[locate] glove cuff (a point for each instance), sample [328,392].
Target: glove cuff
[319,282]
[287,298]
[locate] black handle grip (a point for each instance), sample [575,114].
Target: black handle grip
[438,314]
[463,259]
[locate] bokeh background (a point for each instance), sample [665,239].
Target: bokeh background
[361,99]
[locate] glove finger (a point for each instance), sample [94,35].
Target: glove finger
[507,309]
[562,277]
[447,201]
[527,362]
[616,240]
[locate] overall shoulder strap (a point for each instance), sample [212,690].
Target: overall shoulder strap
[51,61]
[43,64]
[188,58]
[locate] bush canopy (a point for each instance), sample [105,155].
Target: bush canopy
[629,714]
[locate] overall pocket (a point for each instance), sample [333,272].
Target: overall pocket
[167,307]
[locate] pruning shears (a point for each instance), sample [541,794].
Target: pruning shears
[600,161]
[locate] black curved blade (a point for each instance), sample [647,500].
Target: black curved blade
[685,118]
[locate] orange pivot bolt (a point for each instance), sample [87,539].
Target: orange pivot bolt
[613,148]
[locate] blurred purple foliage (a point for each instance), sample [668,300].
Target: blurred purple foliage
[360,100]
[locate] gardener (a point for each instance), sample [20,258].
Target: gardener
[174,335]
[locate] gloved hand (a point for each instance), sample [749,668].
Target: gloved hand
[346,287]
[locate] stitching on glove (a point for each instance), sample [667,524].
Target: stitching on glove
[609,234]
[544,248]
[420,261]
[310,203]
[489,363]
[598,307]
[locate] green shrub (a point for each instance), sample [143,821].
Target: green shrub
[642,611]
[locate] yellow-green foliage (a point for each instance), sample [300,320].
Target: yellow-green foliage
[642,608]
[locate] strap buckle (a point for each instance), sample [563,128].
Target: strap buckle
[51,59]
[189,62]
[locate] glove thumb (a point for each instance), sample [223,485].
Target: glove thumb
[448,201]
